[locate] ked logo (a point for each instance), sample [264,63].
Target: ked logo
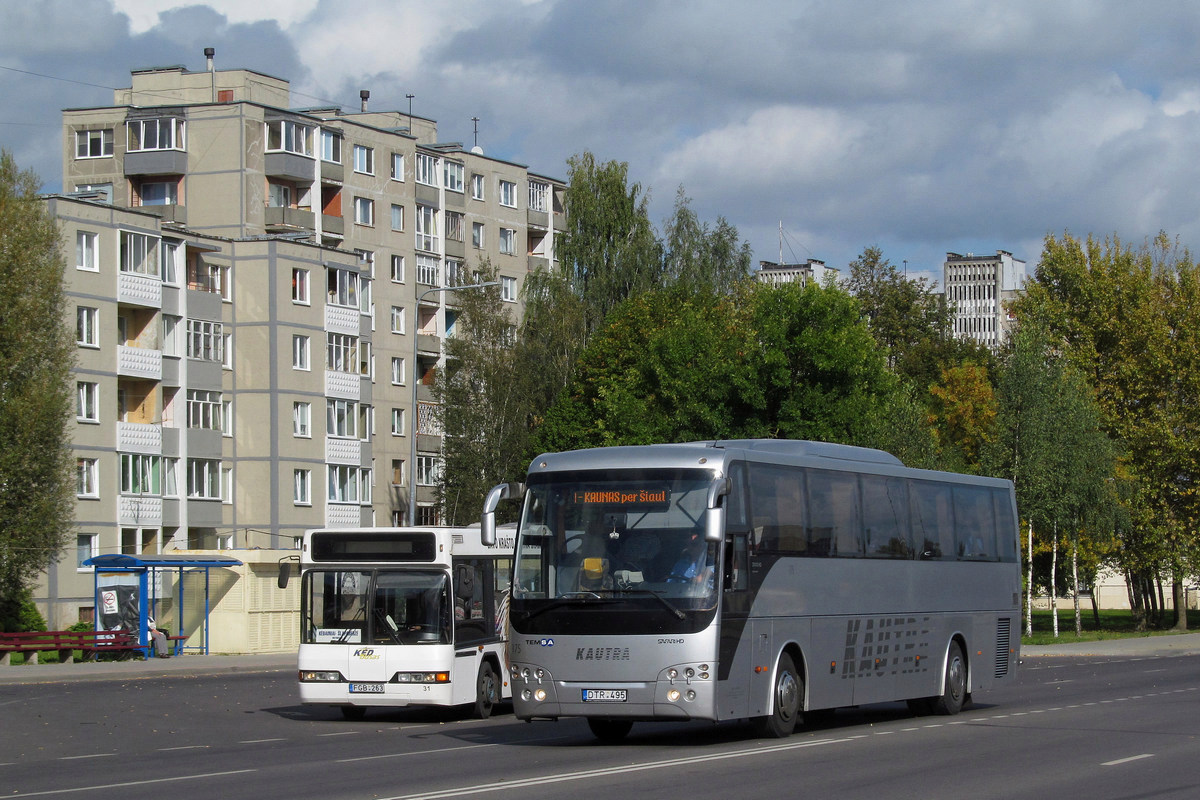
[366,653]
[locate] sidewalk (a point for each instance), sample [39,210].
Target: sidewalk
[1182,644]
[176,666]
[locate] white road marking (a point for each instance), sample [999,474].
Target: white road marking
[1127,760]
[127,784]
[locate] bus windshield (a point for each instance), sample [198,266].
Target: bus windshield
[594,536]
[376,607]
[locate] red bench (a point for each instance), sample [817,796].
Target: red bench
[65,643]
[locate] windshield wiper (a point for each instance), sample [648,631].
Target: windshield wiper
[567,599]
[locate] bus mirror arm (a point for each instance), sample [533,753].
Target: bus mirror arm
[714,528]
[487,523]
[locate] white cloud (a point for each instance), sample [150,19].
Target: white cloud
[144,14]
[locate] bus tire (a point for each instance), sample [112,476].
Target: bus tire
[787,697]
[609,730]
[354,713]
[487,691]
[954,688]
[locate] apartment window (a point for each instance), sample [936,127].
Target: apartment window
[300,286]
[342,288]
[227,351]
[398,269]
[85,251]
[343,484]
[86,322]
[302,420]
[341,419]
[364,485]
[398,422]
[86,401]
[204,276]
[428,471]
[454,272]
[279,195]
[539,194]
[508,241]
[397,371]
[206,341]
[171,325]
[366,360]
[508,194]
[397,217]
[227,418]
[427,228]
[169,258]
[300,352]
[364,159]
[397,166]
[166,133]
[87,482]
[454,226]
[139,474]
[139,253]
[397,319]
[331,146]
[477,239]
[204,479]
[289,137]
[341,352]
[364,211]
[397,472]
[426,169]
[302,487]
[94,144]
[454,176]
[508,289]
[159,193]
[477,184]
[204,409]
[87,545]
[427,270]
[170,468]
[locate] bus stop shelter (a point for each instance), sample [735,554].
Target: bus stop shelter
[127,591]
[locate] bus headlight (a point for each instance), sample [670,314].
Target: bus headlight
[421,677]
[321,676]
[673,695]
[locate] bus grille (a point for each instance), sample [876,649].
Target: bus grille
[1002,646]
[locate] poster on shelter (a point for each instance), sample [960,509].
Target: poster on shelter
[119,602]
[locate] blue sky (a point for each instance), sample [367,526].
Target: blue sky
[920,128]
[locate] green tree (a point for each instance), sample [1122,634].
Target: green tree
[1129,318]
[697,258]
[788,362]
[609,251]
[36,349]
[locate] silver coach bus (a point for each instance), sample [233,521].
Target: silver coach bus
[755,579]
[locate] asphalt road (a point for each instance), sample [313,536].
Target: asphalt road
[1097,726]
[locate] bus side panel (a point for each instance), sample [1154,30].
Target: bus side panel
[830,683]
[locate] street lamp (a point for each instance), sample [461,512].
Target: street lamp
[412,460]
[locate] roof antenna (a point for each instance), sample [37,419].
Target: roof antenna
[410,97]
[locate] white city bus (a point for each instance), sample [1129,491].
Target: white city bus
[403,616]
[756,579]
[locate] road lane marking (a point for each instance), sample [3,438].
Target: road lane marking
[89,755]
[563,777]
[1127,760]
[127,784]
[183,747]
[260,741]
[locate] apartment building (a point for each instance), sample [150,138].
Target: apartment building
[811,271]
[257,290]
[977,287]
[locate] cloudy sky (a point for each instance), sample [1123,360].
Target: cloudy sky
[921,127]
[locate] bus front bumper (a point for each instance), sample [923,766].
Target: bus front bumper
[536,695]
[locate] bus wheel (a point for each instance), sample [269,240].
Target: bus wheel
[787,697]
[487,691]
[954,692]
[354,712]
[609,730]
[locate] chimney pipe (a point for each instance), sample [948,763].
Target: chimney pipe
[364,95]
[209,52]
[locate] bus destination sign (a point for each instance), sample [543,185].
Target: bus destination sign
[633,498]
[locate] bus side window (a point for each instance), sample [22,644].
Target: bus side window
[975,523]
[932,519]
[885,517]
[737,575]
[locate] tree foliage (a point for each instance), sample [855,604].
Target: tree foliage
[36,348]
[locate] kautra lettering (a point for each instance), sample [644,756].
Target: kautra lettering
[602,654]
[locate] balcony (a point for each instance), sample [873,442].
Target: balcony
[290,166]
[538,219]
[137,289]
[332,172]
[343,385]
[156,162]
[343,451]
[167,213]
[343,319]
[333,225]
[137,437]
[139,362]
[279,217]
[144,510]
[347,515]
[429,345]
